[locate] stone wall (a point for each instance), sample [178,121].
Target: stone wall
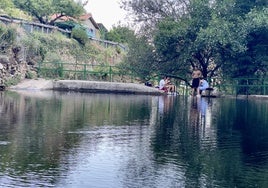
[13,65]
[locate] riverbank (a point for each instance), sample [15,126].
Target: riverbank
[85,86]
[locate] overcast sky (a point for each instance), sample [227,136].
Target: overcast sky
[107,12]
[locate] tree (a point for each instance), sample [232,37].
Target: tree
[169,43]
[254,60]
[189,41]
[206,34]
[120,34]
[6,4]
[242,7]
[147,13]
[175,35]
[7,7]
[44,9]
[140,60]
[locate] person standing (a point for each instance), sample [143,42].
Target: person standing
[196,75]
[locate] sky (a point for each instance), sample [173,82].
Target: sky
[107,12]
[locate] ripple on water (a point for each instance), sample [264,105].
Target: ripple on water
[4,143]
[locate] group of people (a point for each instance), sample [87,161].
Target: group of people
[199,84]
[166,85]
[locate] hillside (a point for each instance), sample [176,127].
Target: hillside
[22,51]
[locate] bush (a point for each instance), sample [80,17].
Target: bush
[80,35]
[7,37]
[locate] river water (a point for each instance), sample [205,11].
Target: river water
[53,139]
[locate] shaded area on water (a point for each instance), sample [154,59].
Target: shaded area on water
[70,139]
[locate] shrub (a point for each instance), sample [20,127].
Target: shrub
[80,35]
[7,37]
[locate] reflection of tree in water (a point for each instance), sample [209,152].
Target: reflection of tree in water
[9,112]
[166,119]
[198,111]
[141,170]
[177,141]
[33,139]
[242,134]
[248,120]
[41,131]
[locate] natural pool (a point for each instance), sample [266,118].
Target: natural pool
[53,139]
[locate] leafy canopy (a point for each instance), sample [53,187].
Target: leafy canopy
[44,9]
[210,35]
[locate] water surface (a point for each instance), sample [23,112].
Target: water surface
[52,139]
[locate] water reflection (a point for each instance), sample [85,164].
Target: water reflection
[165,104]
[200,112]
[52,139]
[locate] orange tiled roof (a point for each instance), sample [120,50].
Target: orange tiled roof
[63,18]
[84,17]
[88,16]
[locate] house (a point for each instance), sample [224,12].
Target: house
[92,28]
[86,21]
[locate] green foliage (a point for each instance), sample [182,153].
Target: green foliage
[257,18]
[140,60]
[148,13]
[45,47]
[254,60]
[30,75]
[7,37]
[120,34]
[7,7]
[59,69]
[79,34]
[243,7]
[169,38]
[38,50]
[43,9]
[12,81]
[69,25]
[221,37]
[51,70]
[6,4]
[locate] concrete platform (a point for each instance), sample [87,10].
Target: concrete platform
[85,86]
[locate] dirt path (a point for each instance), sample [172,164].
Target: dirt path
[33,84]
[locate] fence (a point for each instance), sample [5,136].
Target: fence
[78,71]
[244,86]
[232,86]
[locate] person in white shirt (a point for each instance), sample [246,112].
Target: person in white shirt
[162,84]
[166,85]
[203,85]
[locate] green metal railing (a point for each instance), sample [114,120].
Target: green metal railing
[233,86]
[244,86]
[80,71]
